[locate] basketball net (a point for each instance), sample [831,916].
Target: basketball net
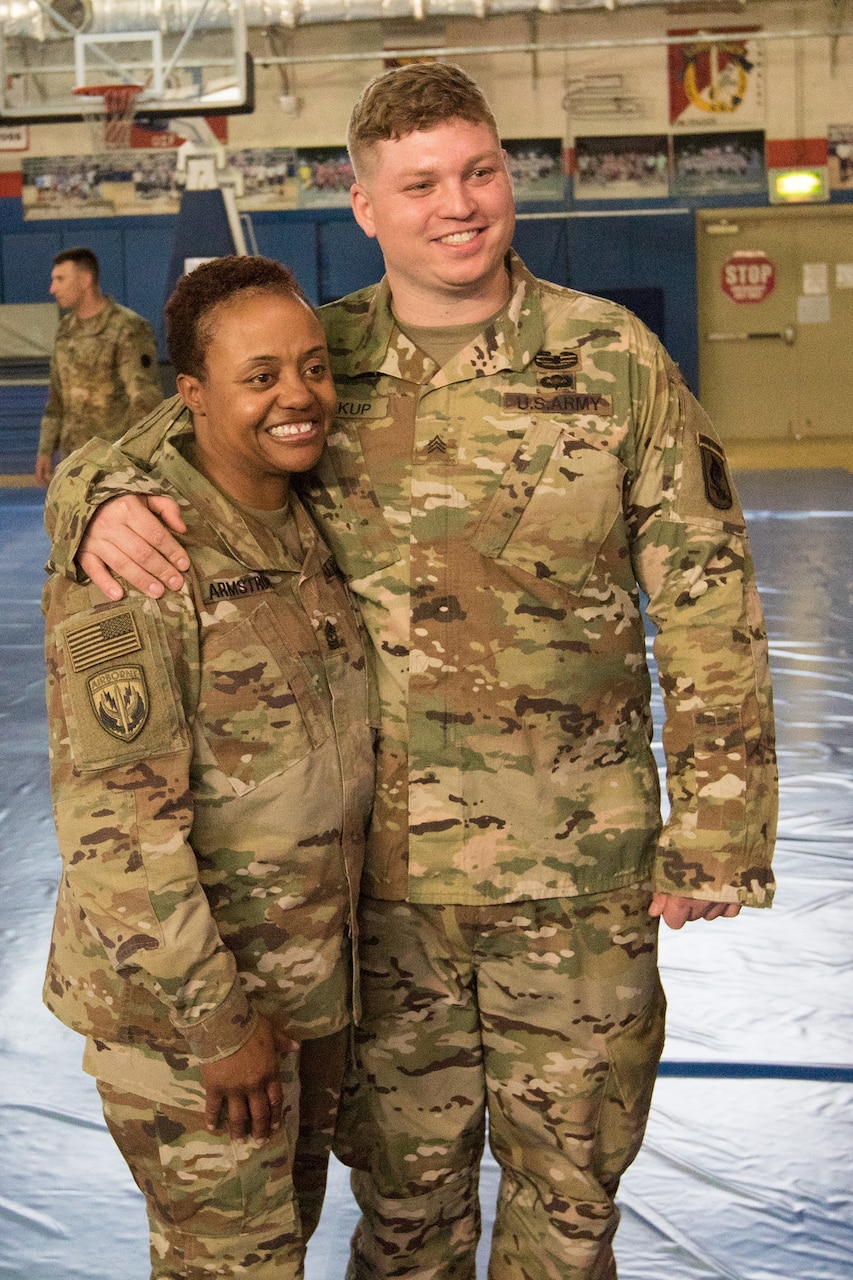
[111,119]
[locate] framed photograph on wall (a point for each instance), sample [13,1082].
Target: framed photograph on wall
[323,177]
[267,177]
[840,157]
[627,167]
[536,165]
[710,164]
[115,184]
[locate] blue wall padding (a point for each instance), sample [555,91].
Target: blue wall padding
[330,256]
[201,231]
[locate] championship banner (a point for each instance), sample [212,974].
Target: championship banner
[716,80]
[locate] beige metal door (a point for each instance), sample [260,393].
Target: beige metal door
[776,321]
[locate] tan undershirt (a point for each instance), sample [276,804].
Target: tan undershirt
[443,343]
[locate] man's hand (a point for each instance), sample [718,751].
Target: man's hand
[677,911]
[44,469]
[126,535]
[248,1085]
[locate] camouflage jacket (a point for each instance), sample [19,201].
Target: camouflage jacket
[212,775]
[496,519]
[104,376]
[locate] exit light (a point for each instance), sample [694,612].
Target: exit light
[798,186]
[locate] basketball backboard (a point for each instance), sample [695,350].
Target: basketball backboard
[189,57]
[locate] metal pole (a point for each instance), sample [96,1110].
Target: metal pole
[562,46]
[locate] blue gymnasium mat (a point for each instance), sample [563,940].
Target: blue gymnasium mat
[745,1172]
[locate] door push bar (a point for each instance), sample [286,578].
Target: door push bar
[786,335]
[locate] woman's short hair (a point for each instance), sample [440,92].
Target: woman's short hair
[190,309]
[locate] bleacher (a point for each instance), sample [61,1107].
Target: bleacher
[23,394]
[27,332]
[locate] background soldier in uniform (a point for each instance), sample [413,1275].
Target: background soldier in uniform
[104,374]
[510,464]
[212,774]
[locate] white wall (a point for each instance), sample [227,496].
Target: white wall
[803,93]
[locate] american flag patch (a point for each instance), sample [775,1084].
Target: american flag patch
[103,641]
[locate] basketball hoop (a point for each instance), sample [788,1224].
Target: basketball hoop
[111,120]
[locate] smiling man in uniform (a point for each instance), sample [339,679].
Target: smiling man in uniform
[511,463]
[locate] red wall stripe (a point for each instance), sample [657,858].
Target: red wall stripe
[11,184]
[787,153]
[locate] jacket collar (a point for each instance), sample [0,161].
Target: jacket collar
[245,539]
[508,343]
[98,322]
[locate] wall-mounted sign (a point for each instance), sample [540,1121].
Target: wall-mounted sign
[748,276]
[14,137]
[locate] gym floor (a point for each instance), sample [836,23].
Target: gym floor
[745,1173]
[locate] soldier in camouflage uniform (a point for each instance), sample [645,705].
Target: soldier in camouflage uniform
[104,374]
[212,775]
[511,463]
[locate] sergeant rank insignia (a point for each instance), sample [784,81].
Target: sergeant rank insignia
[120,701]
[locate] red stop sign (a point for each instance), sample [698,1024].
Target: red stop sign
[748,276]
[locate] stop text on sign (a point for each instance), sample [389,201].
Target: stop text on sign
[748,276]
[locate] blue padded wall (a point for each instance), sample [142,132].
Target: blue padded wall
[27,259]
[331,256]
[294,243]
[644,252]
[348,260]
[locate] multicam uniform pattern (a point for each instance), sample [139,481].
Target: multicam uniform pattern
[212,773]
[495,517]
[104,376]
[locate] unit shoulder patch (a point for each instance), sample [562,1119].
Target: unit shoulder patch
[718,491]
[120,701]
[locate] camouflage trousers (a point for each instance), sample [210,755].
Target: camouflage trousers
[548,1018]
[218,1207]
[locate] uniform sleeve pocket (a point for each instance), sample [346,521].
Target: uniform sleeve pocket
[555,506]
[119,692]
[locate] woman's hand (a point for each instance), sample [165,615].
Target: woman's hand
[247,1084]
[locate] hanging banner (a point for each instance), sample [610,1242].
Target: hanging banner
[717,79]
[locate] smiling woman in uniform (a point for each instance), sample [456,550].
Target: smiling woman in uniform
[212,773]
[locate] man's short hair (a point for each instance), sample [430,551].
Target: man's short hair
[82,258]
[190,309]
[421,95]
